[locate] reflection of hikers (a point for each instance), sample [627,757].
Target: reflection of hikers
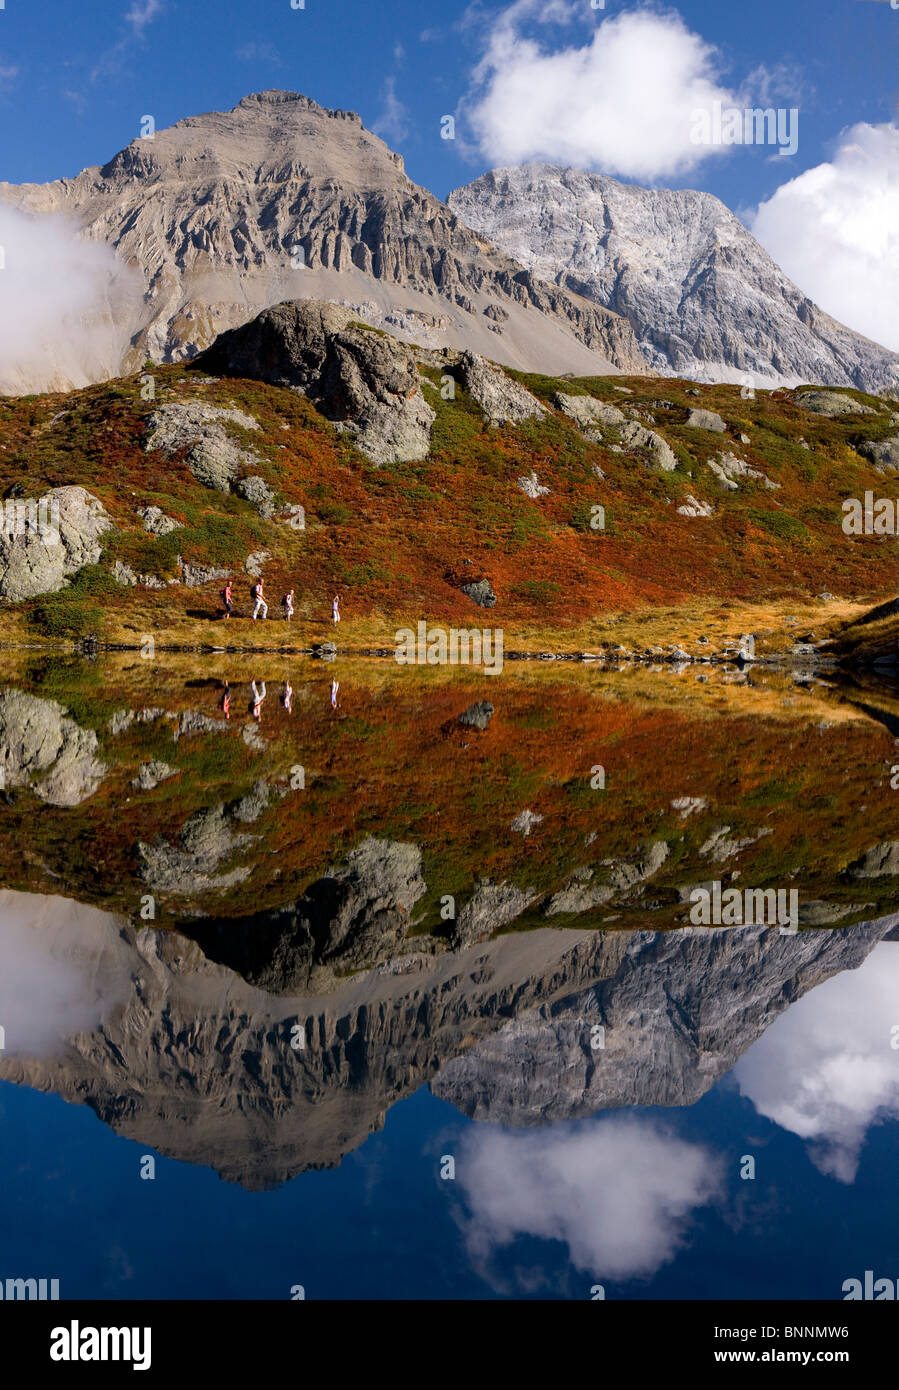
[287,605]
[335,608]
[226,600]
[259,598]
[335,686]
[287,695]
[225,701]
[256,702]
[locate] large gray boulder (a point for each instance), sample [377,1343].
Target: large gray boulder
[490,907]
[883,453]
[44,542]
[727,468]
[639,437]
[361,379]
[213,456]
[587,411]
[502,400]
[706,420]
[41,747]
[832,404]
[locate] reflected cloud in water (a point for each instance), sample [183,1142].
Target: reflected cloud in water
[825,1069]
[50,988]
[619,1192]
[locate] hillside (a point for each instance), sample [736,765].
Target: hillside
[738,506]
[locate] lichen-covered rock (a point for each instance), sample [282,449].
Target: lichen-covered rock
[705,420]
[878,862]
[61,534]
[525,821]
[532,487]
[586,411]
[123,574]
[195,576]
[581,894]
[883,453]
[213,457]
[257,492]
[43,748]
[692,506]
[832,403]
[639,437]
[490,907]
[255,561]
[189,867]
[149,775]
[480,591]
[502,400]
[477,716]
[727,468]
[157,523]
[363,381]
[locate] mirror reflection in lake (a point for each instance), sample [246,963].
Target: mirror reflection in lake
[406,990]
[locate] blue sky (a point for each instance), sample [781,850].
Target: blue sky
[75,79]
[609,89]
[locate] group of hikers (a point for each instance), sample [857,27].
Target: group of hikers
[260,607]
[258,695]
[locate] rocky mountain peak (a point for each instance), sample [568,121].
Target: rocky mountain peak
[704,299]
[279,199]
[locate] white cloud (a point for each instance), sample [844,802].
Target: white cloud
[142,13]
[259,53]
[392,125]
[835,231]
[623,103]
[826,1070]
[618,1191]
[67,306]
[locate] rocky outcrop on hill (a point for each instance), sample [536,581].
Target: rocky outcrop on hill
[212,455]
[832,404]
[44,542]
[190,867]
[702,296]
[365,382]
[883,453]
[501,399]
[729,469]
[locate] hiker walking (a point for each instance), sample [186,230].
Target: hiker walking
[335,608]
[259,599]
[287,605]
[227,601]
[256,702]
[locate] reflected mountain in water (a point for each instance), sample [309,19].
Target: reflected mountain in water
[191,1060]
